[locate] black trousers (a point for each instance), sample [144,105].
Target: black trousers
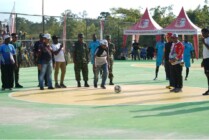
[168,73]
[7,77]
[176,75]
[16,74]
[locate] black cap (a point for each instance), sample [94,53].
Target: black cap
[80,35]
[14,34]
[108,37]
[41,35]
[55,37]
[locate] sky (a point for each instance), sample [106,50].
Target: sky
[92,7]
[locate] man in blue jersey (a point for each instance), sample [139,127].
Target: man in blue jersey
[93,45]
[159,54]
[188,54]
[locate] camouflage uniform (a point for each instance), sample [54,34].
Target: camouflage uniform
[111,52]
[17,46]
[81,59]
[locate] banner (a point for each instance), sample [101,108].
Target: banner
[12,19]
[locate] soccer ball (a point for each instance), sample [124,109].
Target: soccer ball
[117,89]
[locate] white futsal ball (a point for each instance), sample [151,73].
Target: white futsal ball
[117,89]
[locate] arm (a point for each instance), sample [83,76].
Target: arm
[57,51]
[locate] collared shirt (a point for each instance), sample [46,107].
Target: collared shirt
[6,52]
[93,45]
[188,48]
[177,51]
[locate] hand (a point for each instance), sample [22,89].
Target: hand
[39,66]
[202,65]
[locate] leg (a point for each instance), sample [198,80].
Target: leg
[49,75]
[56,72]
[42,74]
[156,72]
[187,73]
[104,75]
[97,70]
[77,68]
[63,71]
[85,74]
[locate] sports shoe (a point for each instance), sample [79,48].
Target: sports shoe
[62,86]
[178,90]
[95,85]
[41,88]
[57,85]
[50,87]
[206,93]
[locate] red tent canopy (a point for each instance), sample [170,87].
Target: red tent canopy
[145,26]
[183,25]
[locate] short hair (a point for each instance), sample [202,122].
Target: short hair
[205,30]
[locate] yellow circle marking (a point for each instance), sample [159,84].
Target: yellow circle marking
[130,95]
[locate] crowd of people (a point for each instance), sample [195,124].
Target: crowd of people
[48,56]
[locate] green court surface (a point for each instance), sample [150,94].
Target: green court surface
[31,120]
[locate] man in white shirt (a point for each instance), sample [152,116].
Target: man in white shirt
[205,62]
[60,62]
[101,63]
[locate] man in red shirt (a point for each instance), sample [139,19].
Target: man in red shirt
[176,60]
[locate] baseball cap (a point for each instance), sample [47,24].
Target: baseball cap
[169,34]
[174,35]
[6,36]
[55,37]
[47,36]
[103,42]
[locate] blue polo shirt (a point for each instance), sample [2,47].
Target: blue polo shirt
[93,45]
[160,51]
[5,51]
[188,48]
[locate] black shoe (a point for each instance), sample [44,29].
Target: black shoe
[41,88]
[18,86]
[173,90]
[155,78]
[57,85]
[86,85]
[10,88]
[206,93]
[178,90]
[3,89]
[79,84]
[50,87]
[103,87]
[63,86]
[95,85]
[111,83]
[185,79]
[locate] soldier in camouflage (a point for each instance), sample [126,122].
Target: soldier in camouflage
[81,59]
[111,52]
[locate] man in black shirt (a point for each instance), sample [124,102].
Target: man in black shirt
[136,50]
[166,62]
